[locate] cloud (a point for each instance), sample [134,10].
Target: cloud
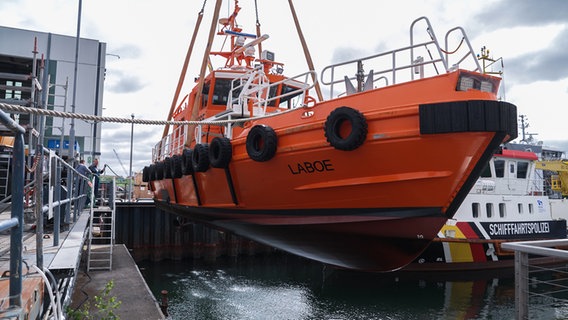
[124,83]
[116,137]
[514,13]
[539,32]
[547,65]
[125,51]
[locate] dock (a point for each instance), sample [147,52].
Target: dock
[66,264]
[136,300]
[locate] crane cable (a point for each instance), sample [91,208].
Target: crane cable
[184,68]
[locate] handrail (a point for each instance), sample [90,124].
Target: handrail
[387,64]
[173,143]
[16,223]
[522,249]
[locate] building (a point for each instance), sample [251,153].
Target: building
[18,50]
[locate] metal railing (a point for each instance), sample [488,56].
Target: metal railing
[528,284]
[238,109]
[51,179]
[388,66]
[16,223]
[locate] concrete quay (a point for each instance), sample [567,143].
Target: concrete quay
[66,261]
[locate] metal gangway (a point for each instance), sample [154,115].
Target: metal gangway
[49,196]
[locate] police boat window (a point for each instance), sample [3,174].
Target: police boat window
[522,169]
[502,210]
[475,209]
[486,172]
[499,168]
[489,208]
[520,207]
[530,208]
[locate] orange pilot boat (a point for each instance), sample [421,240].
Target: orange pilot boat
[363,179]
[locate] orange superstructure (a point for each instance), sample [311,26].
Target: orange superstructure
[362,180]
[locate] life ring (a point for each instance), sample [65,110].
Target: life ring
[261,143]
[200,158]
[167,168]
[159,171]
[176,167]
[186,165]
[146,174]
[220,152]
[345,128]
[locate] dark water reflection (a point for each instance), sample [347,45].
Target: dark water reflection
[286,287]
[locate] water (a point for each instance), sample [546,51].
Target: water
[287,287]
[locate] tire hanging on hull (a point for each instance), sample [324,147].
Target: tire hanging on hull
[200,157]
[338,123]
[176,167]
[186,164]
[261,143]
[220,152]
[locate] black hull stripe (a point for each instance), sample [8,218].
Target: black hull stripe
[322,212]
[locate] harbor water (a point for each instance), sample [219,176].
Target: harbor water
[281,286]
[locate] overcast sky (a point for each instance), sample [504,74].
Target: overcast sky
[151,38]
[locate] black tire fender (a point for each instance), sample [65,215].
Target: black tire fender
[333,128]
[146,174]
[167,168]
[159,171]
[220,152]
[176,166]
[186,165]
[261,143]
[200,158]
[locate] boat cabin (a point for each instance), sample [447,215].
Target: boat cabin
[510,172]
[242,93]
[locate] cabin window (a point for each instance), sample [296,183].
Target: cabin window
[520,207]
[499,168]
[475,209]
[221,91]
[486,172]
[512,169]
[531,208]
[292,100]
[522,169]
[489,209]
[205,94]
[502,210]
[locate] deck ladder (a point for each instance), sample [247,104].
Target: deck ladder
[101,234]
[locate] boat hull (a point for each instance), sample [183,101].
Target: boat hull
[388,197]
[359,239]
[480,249]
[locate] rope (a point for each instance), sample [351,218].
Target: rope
[256,11]
[452,52]
[88,117]
[34,165]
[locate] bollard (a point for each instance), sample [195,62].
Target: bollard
[164,303]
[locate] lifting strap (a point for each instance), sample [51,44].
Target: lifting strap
[184,69]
